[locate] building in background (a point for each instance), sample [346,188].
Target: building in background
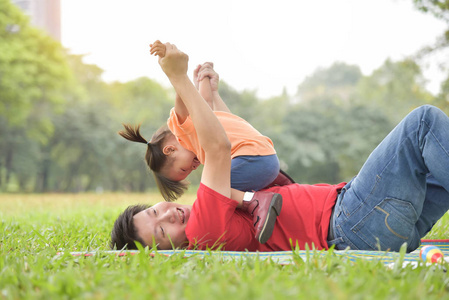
[45,14]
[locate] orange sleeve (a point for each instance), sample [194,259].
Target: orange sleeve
[186,134]
[244,138]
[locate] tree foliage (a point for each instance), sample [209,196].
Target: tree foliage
[33,77]
[438,8]
[59,119]
[33,73]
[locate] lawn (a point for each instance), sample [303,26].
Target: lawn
[34,228]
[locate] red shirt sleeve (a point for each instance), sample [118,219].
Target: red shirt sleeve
[215,222]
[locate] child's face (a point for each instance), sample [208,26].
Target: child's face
[165,222]
[181,163]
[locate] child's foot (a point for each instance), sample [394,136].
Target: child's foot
[264,207]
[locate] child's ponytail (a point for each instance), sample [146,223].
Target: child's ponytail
[156,159]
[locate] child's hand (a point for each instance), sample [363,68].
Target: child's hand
[157,48]
[207,70]
[174,62]
[195,76]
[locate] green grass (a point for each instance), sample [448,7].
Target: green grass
[34,228]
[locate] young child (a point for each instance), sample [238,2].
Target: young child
[174,152]
[254,161]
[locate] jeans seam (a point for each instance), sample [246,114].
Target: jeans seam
[363,201]
[434,136]
[378,178]
[342,236]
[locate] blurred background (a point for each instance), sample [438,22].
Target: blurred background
[326,81]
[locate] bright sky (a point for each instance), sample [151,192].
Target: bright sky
[255,44]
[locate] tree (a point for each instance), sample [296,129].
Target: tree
[141,101]
[329,133]
[395,88]
[328,141]
[438,8]
[33,77]
[241,104]
[336,81]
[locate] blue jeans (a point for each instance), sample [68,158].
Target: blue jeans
[401,190]
[253,173]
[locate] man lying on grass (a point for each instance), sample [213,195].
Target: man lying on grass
[398,195]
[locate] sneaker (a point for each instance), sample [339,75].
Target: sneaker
[264,207]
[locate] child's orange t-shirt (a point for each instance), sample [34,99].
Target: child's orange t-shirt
[244,138]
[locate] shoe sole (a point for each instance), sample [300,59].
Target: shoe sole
[273,213]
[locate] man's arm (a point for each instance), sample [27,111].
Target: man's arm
[205,91]
[211,135]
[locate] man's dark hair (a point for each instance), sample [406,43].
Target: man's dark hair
[124,233]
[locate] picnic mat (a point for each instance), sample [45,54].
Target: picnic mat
[289,257]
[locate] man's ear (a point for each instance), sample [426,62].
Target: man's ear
[169,149]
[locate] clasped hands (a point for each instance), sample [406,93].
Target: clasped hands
[173,61]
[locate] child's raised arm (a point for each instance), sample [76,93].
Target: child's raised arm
[206,73]
[204,87]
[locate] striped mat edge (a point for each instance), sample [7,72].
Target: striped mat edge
[288,257]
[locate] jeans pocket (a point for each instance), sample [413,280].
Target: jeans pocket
[388,225]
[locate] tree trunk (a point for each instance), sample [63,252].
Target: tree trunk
[8,164]
[1,175]
[44,173]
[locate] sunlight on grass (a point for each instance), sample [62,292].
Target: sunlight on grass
[34,228]
[13,204]
[440,230]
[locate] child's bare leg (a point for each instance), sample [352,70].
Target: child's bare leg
[237,196]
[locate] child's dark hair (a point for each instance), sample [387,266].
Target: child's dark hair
[124,233]
[156,159]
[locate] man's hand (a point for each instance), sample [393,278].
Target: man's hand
[172,61]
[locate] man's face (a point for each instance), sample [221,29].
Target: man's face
[164,222]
